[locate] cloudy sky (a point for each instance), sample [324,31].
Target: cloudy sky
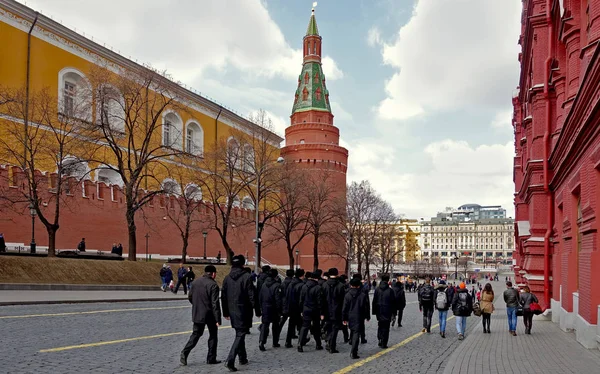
[420,89]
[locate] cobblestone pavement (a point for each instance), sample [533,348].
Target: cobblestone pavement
[150,336]
[25,296]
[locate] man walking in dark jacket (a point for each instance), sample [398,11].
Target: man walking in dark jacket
[400,298]
[354,313]
[334,292]
[181,279]
[384,304]
[289,276]
[426,304]
[238,300]
[511,298]
[311,304]
[270,306]
[260,280]
[292,307]
[443,299]
[206,311]
[365,290]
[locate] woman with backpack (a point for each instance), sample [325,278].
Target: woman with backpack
[487,307]
[525,299]
[462,307]
[442,304]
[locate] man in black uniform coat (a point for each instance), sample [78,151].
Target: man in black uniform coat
[400,297]
[206,311]
[384,304]
[291,307]
[344,281]
[334,293]
[259,282]
[270,306]
[365,290]
[289,276]
[238,301]
[311,304]
[355,312]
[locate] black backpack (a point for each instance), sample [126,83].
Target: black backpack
[463,305]
[427,294]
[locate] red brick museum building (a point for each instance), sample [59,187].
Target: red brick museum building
[557,161]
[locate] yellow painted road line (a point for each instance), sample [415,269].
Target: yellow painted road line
[99,344]
[94,312]
[360,363]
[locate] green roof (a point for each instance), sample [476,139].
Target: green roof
[311,92]
[312,25]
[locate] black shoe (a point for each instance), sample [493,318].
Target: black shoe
[354,357]
[300,349]
[327,347]
[288,345]
[261,347]
[231,367]
[346,341]
[243,362]
[399,325]
[334,351]
[429,331]
[295,337]
[183,359]
[213,362]
[319,348]
[276,345]
[443,335]
[363,341]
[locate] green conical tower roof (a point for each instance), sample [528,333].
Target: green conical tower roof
[311,93]
[312,25]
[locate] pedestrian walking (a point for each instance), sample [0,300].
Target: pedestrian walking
[190,275]
[163,277]
[292,306]
[525,299]
[462,307]
[238,300]
[289,276]
[365,290]
[259,282]
[344,281]
[81,245]
[443,300]
[311,304]
[400,299]
[219,257]
[270,302]
[333,292]
[168,278]
[487,307]
[2,243]
[354,313]
[511,298]
[206,312]
[425,297]
[181,279]
[384,306]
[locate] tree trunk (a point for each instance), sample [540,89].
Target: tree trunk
[51,240]
[359,262]
[185,246]
[131,230]
[290,251]
[316,252]
[228,250]
[347,268]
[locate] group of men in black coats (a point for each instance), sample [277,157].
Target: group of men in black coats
[312,303]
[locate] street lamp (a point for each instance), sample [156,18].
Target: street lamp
[32,213]
[297,256]
[455,267]
[257,240]
[147,236]
[204,234]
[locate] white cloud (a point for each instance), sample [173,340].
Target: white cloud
[452,54]
[340,113]
[190,37]
[374,36]
[459,174]
[503,121]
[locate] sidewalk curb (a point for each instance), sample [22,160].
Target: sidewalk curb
[49,302]
[74,287]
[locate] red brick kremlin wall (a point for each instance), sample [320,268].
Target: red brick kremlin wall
[96,211]
[557,163]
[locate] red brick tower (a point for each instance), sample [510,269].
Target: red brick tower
[312,139]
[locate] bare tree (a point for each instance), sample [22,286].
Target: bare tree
[37,135]
[387,248]
[138,144]
[290,224]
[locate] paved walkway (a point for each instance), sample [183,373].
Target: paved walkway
[21,297]
[547,350]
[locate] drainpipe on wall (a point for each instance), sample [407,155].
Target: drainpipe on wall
[26,117]
[550,213]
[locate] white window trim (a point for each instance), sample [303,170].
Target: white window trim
[198,138]
[61,86]
[174,143]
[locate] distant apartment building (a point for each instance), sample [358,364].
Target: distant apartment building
[471,212]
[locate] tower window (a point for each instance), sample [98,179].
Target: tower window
[318,94]
[316,80]
[304,94]
[306,78]
[301,141]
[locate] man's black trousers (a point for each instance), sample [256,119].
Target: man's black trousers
[212,340]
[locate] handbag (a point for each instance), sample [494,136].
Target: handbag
[519,311]
[535,308]
[477,309]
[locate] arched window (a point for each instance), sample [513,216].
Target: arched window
[249,158]
[194,141]
[110,109]
[248,203]
[172,130]
[234,154]
[304,94]
[109,176]
[192,191]
[236,202]
[169,186]
[306,78]
[318,93]
[74,95]
[74,167]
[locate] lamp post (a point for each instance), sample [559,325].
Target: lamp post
[258,227]
[297,256]
[455,267]
[147,236]
[32,213]
[204,234]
